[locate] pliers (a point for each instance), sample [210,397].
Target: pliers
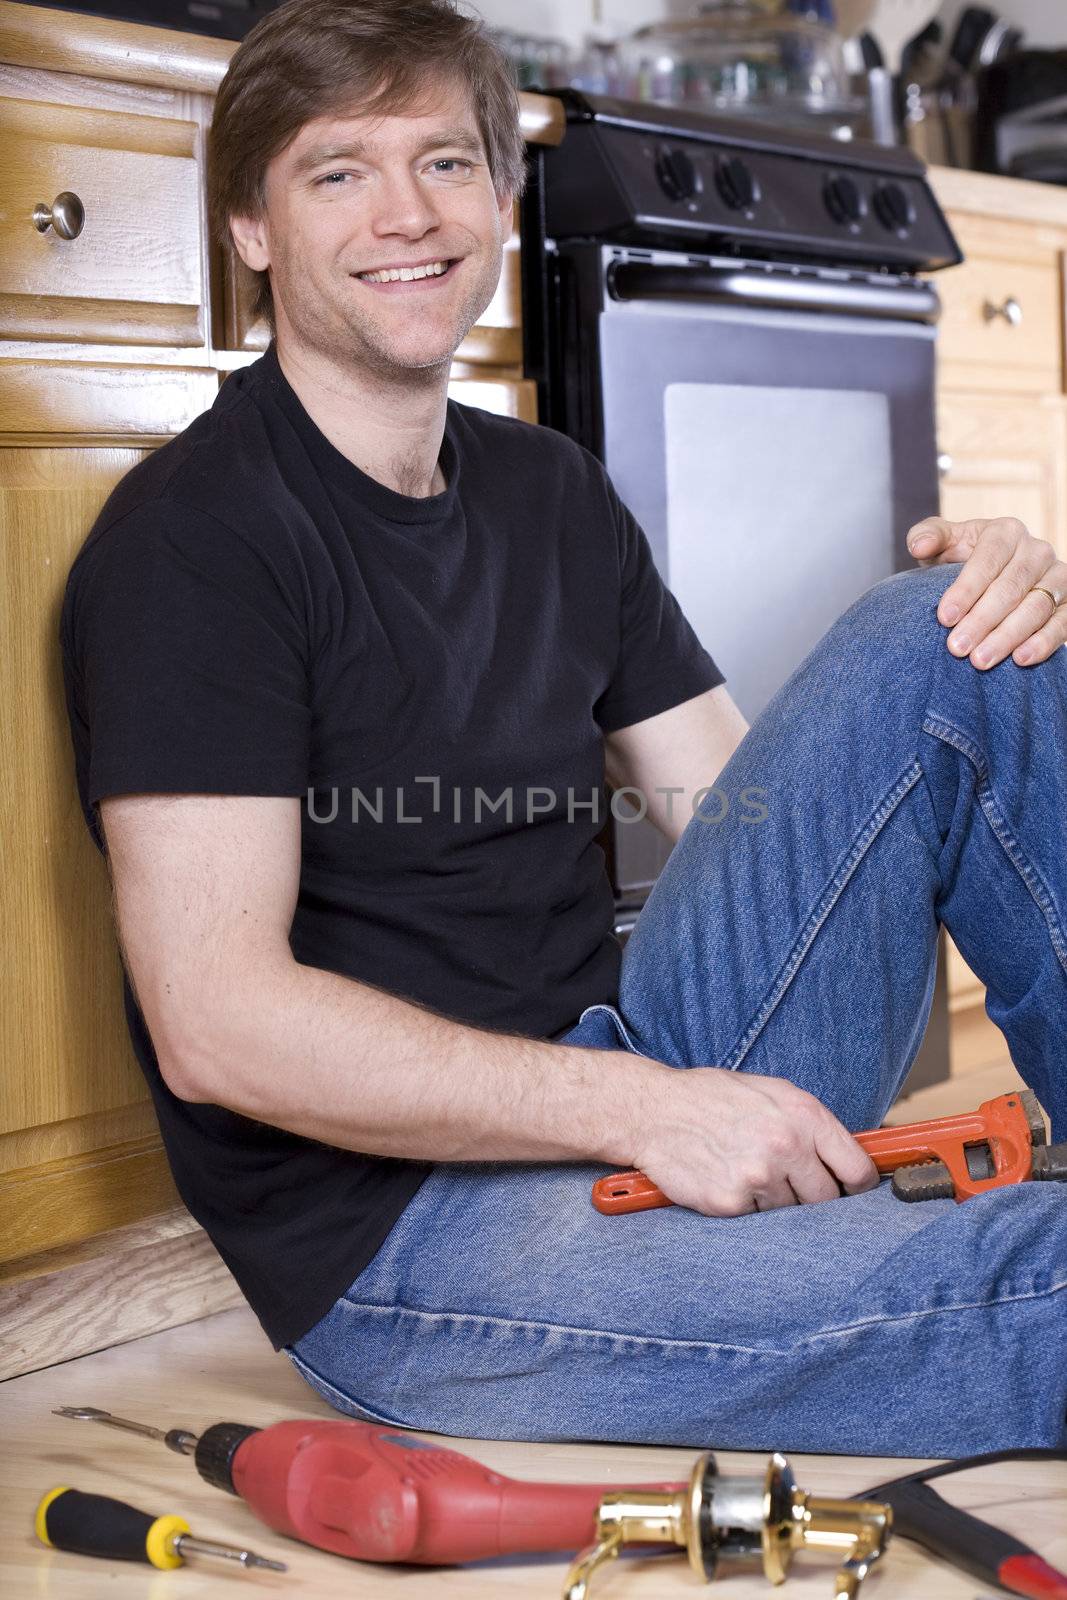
[994,1557]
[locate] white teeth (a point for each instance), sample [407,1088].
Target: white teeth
[405,274]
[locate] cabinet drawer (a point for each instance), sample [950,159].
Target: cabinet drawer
[85,400]
[135,271]
[1002,323]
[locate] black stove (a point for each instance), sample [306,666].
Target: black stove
[644,174]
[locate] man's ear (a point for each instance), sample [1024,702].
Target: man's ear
[251,241]
[506,207]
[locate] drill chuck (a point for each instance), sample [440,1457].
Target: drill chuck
[215,1450]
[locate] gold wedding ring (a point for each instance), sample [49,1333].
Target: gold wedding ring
[1039,588]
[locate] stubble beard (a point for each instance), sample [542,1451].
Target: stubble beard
[332,329]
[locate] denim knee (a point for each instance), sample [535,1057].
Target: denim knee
[917,589]
[898,609]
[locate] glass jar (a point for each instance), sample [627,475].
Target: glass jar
[744,58]
[537,63]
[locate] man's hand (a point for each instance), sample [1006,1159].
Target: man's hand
[725,1143]
[991,601]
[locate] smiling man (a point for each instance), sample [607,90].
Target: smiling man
[347,664]
[383,237]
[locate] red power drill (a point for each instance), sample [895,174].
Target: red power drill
[380,1494]
[1003,1142]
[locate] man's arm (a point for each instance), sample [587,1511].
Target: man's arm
[684,748]
[205,889]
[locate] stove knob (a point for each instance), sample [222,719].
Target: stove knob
[737,184]
[893,207]
[677,174]
[844,200]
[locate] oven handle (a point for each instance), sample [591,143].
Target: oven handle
[639,280]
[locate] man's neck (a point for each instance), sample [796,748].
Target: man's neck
[391,429]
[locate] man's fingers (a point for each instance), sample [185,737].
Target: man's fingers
[774,1194]
[847,1159]
[925,538]
[1012,608]
[813,1183]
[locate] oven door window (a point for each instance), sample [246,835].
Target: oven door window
[775,462]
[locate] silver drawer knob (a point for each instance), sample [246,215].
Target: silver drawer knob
[1011,311]
[944,464]
[66,214]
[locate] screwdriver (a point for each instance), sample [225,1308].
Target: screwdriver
[97,1525]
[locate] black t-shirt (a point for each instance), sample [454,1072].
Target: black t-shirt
[252,614]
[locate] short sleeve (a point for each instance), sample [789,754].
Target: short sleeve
[185,660]
[661,661]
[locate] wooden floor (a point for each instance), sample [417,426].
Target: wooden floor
[222,1368]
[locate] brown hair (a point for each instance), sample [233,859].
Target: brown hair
[311,58]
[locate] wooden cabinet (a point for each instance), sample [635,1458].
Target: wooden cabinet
[1002,418]
[112,341]
[1000,329]
[1005,456]
[116,253]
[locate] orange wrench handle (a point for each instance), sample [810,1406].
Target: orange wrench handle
[1001,1123]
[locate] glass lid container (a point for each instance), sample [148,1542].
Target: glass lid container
[776,59]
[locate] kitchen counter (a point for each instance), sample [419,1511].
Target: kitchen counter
[1013,199]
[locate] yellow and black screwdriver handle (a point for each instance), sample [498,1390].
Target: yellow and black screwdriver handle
[97,1525]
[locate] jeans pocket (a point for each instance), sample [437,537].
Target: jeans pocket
[623,1033]
[338,1398]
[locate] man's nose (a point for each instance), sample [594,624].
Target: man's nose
[403,205]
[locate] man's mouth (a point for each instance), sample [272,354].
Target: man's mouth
[422,276]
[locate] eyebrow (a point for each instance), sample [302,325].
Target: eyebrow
[318,154]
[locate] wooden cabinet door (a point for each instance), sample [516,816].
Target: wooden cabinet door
[1002,457]
[1005,457]
[64,1038]
[79,1149]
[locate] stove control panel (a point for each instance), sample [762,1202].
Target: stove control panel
[636,173]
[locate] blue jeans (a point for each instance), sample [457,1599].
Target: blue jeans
[900,788]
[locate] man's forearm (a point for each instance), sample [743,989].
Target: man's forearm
[350,1065]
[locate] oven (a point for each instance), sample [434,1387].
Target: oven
[732,320]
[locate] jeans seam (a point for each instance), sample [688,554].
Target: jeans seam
[829,898]
[484,1319]
[314,1377]
[1039,892]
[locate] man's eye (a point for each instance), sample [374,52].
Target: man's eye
[330,175]
[454,161]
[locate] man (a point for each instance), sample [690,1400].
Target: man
[346,663]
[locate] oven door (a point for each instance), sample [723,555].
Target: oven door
[773,432]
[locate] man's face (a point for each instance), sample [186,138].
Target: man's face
[355,195]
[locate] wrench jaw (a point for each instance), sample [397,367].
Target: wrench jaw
[1009,1143]
[926,1180]
[1034,1116]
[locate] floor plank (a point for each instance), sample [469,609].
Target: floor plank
[223,1368]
